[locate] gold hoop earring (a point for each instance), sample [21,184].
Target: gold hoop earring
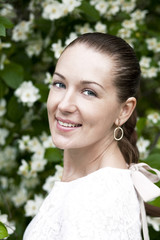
[122,133]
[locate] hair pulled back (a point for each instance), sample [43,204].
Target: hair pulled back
[126,80]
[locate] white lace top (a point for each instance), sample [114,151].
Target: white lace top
[100,206]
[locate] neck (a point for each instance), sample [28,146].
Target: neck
[80,162]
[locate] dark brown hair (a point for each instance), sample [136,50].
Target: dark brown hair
[127,81]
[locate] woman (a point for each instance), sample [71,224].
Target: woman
[91,110]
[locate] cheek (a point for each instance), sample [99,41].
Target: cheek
[51,102]
[103,114]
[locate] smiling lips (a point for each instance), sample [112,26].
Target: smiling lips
[68,124]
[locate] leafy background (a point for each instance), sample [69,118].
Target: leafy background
[32,35]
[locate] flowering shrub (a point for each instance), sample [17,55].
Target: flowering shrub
[33,35]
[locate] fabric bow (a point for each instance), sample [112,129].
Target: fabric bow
[144,180]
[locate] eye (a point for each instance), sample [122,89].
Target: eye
[89,93]
[59,85]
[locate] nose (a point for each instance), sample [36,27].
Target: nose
[68,102]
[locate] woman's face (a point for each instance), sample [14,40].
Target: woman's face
[82,103]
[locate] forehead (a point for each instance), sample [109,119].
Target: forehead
[84,60]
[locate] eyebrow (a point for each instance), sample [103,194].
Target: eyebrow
[82,82]
[92,82]
[60,75]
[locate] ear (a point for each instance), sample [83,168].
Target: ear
[126,111]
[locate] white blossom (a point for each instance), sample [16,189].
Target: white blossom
[100,27]
[50,181]
[7,10]
[58,173]
[157,47]
[151,43]
[152,72]
[142,145]
[139,14]
[2,107]
[10,153]
[144,72]
[39,153]
[2,160]
[21,31]
[57,48]
[23,168]
[4,45]
[32,206]
[128,6]
[27,93]
[48,79]
[114,7]
[83,29]
[101,6]
[72,36]
[20,198]
[3,59]
[34,48]
[7,158]
[3,135]
[154,222]
[145,62]
[154,117]
[124,33]
[4,182]
[8,224]
[94,2]
[38,165]
[34,144]
[130,41]
[70,5]
[129,24]
[31,182]
[24,143]
[46,140]
[53,10]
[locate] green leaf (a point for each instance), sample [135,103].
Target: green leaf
[6,22]
[39,125]
[2,30]
[3,89]
[156,202]
[153,160]
[12,75]
[15,110]
[53,154]
[43,89]
[141,123]
[3,231]
[91,13]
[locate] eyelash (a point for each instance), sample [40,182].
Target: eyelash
[59,83]
[90,93]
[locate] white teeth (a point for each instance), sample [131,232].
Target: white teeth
[67,124]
